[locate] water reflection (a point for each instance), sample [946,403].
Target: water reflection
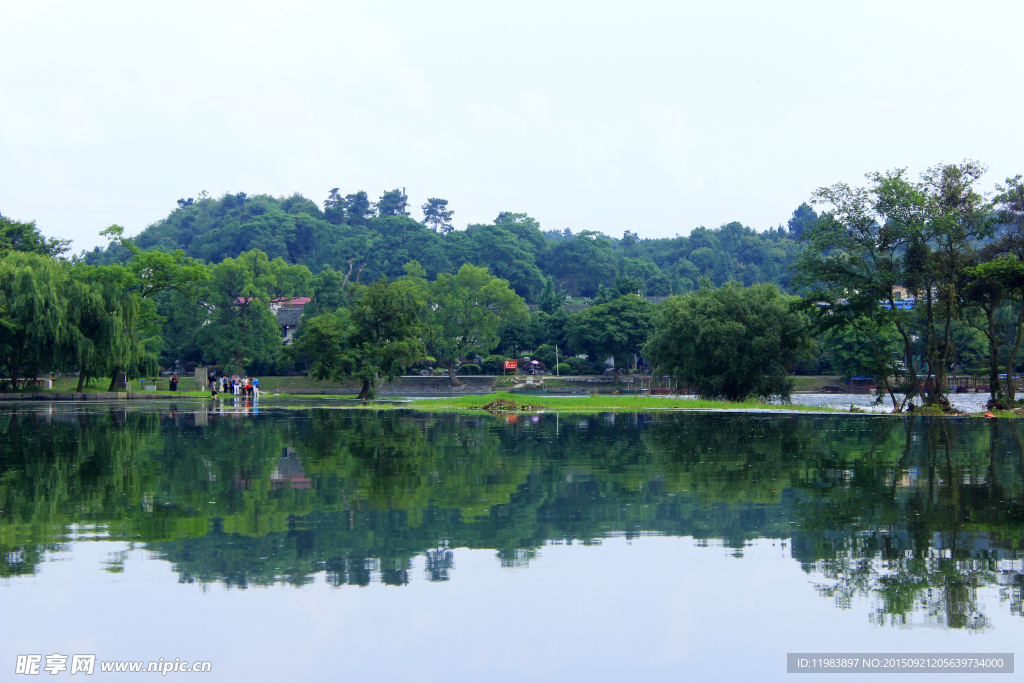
[917,513]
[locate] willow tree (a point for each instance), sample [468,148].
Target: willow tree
[114,328]
[126,336]
[34,323]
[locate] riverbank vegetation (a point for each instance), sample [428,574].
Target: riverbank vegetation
[905,281]
[504,402]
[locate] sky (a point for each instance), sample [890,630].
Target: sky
[654,117]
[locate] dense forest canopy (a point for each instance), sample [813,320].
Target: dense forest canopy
[383,236]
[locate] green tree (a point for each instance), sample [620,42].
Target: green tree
[625,284]
[464,312]
[329,292]
[507,249]
[114,327]
[730,342]
[957,217]
[857,347]
[583,263]
[658,284]
[379,336]
[34,325]
[392,203]
[618,328]
[398,240]
[1010,203]
[551,300]
[325,341]
[334,207]
[629,241]
[131,295]
[520,333]
[985,291]
[358,208]
[19,236]
[898,233]
[1002,270]
[242,331]
[804,217]
[437,215]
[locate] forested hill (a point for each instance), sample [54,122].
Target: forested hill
[381,237]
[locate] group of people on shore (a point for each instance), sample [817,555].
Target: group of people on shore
[233,384]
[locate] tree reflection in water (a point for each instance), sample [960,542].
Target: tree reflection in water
[917,513]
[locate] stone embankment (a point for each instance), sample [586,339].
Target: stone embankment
[407,385]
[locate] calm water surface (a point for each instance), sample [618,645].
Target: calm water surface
[971,403]
[307,543]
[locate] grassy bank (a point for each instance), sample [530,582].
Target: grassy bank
[593,404]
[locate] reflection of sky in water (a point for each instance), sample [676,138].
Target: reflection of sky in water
[389,546]
[653,608]
[971,403]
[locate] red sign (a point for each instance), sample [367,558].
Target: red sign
[511,364]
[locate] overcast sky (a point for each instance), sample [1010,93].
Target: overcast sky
[653,117]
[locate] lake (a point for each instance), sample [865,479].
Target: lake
[298,541]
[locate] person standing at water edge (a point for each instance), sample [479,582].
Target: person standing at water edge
[174,382]
[256,387]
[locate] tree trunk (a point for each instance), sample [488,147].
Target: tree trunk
[1011,386]
[908,352]
[81,380]
[908,349]
[364,393]
[113,379]
[993,355]
[451,374]
[880,365]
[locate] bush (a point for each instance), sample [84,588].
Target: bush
[469,369]
[563,369]
[577,366]
[493,365]
[440,371]
[545,353]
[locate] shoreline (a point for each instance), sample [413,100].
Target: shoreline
[511,403]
